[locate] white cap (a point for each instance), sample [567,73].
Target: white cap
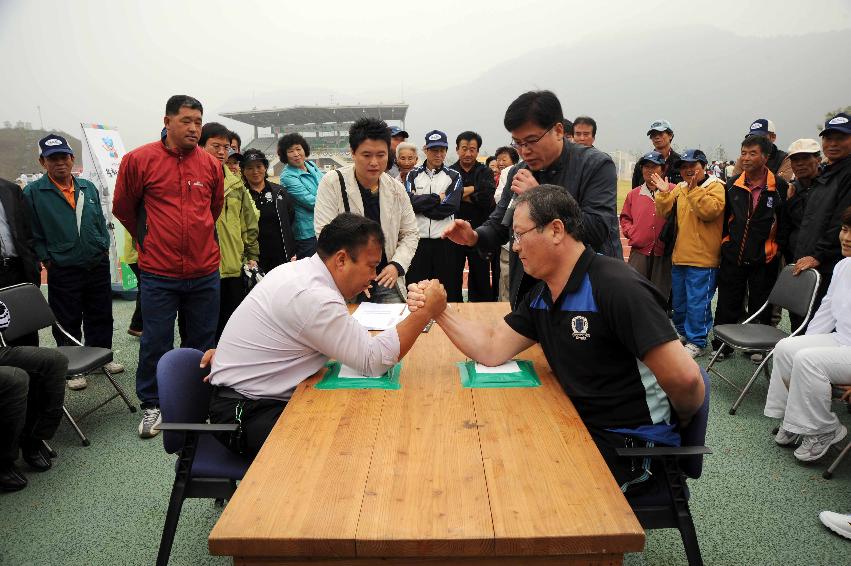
[805,145]
[771,129]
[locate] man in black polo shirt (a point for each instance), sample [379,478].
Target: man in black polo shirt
[476,204]
[604,331]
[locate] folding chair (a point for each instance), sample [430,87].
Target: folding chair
[828,473]
[30,312]
[669,508]
[205,468]
[795,293]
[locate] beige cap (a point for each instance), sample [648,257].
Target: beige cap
[805,145]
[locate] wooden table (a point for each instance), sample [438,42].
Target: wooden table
[430,474]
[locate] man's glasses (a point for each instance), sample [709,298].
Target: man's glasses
[515,238]
[519,146]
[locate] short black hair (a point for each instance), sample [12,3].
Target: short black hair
[235,136]
[541,107]
[468,136]
[588,121]
[550,202]
[845,219]
[763,142]
[213,130]
[489,159]
[512,153]
[287,142]
[568,127]
[350,232]
[178,101]
[368,129]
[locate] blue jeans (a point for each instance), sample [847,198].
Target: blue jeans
[692,289]
[198,301]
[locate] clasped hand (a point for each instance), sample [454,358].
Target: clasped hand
[427,295]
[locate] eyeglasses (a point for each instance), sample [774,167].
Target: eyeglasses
[523,145]
[515,239]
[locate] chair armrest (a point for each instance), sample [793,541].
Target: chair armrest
[664,451]
[197,427]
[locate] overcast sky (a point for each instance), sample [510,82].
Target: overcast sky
[116,62]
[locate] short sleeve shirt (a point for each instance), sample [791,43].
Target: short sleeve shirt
[594,335]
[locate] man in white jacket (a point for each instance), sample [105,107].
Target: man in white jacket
[807,367]
[366,189]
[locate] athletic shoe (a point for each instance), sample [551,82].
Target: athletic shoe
[785,438]
[114,367]
[693,350]
[724,355]
[150,419]
[814,446]
[837,522]
[77,383]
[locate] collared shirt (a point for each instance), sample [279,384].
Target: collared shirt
[7,241]
[67,191]
[288,327]
[594,335]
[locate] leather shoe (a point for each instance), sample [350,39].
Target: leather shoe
[36,456]
[11,479]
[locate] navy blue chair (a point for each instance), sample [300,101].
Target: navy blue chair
[668,508]
[205,468]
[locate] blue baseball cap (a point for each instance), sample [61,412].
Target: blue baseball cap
[692,156]
[761,127]
[397,131]
[50,144]
[652,157]
[436,138]
[839,123]
[660,126]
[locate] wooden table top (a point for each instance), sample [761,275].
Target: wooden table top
[429,470]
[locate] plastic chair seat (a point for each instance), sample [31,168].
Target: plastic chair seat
[213,460]
[750,336]
[83,359]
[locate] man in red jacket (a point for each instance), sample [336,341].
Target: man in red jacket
[168,196]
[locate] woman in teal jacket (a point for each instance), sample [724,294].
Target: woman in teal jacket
[301,179]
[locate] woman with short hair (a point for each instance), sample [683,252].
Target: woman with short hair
[301,179]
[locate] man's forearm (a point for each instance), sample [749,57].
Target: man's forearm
[473,338]
[410,329]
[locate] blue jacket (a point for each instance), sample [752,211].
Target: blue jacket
[302,186]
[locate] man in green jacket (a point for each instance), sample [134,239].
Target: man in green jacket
[71,241]
[236,226]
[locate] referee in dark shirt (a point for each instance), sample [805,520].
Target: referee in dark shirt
[603,329]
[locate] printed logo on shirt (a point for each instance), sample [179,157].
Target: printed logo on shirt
[834,122]
[769,202]
[268,197]
[579,325]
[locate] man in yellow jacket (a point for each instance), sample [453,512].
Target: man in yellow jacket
[699,202]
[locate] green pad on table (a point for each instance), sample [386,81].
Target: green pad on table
[526,377]
[332,379]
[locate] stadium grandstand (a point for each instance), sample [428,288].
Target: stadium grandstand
[324,127]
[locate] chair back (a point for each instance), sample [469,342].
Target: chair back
[184,397]
[28,310]
[695,433]
[795,293]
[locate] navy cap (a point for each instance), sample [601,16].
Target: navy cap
[760,127]
[660,126]
[692,156]
[48,145]
[436,138]
[839,123]
[397,131]
[652,157]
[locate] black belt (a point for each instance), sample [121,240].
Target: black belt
[228,393]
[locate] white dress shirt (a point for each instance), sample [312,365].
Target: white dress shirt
[288,327]
[834,313]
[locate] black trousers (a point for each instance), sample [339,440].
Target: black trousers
[136,320]
[82,296]
[495,273]
[435,259]
[32,390]
[479,288]
[629,471]
[736,281]
[14,274]
[232,292]
[257,418]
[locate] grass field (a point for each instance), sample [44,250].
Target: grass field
[623,189]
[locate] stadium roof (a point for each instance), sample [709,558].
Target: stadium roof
[298,115]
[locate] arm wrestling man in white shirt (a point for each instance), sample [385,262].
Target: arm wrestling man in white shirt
[294,320]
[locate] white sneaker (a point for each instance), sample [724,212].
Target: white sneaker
[77,383]
[785,438]
[693,350]
[814,446]
[837,522]
[150,419]
[114,367]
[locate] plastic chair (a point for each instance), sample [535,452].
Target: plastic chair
[29,312]
[795,293]
[668,509]
[205,468]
